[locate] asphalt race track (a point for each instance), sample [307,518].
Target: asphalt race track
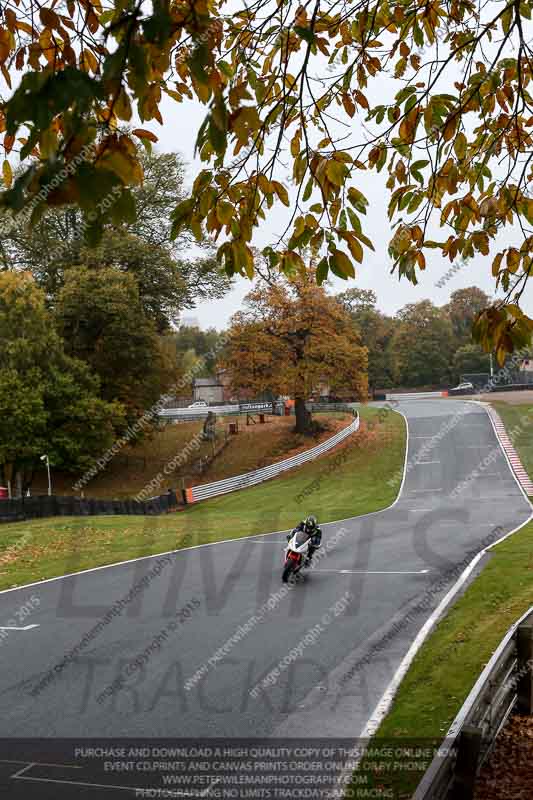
[349,622]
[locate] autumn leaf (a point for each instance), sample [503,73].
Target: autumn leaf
[7,173]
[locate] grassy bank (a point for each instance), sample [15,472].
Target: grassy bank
[351,480]
[135,466]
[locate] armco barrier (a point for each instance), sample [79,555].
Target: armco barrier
[200,412]
[505,685]
[196,493]
[416,395]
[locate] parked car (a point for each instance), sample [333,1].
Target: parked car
[198,404]
[466,386]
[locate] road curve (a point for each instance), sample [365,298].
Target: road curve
[353,619]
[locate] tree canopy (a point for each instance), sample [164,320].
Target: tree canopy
[99,314]
[291,338]
[170,274]
[436,95]
[49,401]
[422,346]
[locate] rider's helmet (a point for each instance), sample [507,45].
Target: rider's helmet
[310,524]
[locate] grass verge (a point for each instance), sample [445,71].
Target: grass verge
[351,480]
[518,421]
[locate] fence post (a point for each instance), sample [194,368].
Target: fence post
[467,763]
[524,647]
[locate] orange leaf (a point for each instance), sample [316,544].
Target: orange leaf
[142,134]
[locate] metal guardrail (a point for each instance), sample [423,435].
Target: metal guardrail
[196,493]
[278,407]
[415,395]
[200,412]
[505,684]
[350,407]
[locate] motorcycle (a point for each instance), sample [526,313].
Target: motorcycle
[296,554]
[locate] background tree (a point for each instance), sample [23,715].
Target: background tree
[470,359]
[422,346]
[376,331]
[171,274]
[463,308]
[49,402]
[205,344]
[441,91]
[100,316]
[290,338]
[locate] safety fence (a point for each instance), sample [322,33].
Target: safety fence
[202,492]
[504,686]
[40,506]
[416,395]
[278,408]
[200,412]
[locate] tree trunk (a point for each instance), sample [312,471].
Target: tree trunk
[303,417]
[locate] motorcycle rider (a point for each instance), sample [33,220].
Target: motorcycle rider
[310,526]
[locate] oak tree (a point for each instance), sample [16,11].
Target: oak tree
[292,337]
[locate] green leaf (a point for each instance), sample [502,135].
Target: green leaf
[308,190]
[322,271]
[305,33]
[340,265]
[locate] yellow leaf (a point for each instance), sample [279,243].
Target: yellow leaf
[122,107]
[90,60]
[450,128]
[343,264]
[281,192]
[295,144]
[336,172]
[7,174]
[264,184]
[496,264]
[224,212]
[299,227]
[513,259]
[460,145]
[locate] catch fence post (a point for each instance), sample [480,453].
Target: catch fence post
[467,763]
[524,648]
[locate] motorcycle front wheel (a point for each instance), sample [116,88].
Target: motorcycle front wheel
[286,572]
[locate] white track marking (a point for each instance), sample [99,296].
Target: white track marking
[13,628]
[24,769]
[206,792]
[20,776]
[101,785]
[374,572]
[419,463]
[40,763]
